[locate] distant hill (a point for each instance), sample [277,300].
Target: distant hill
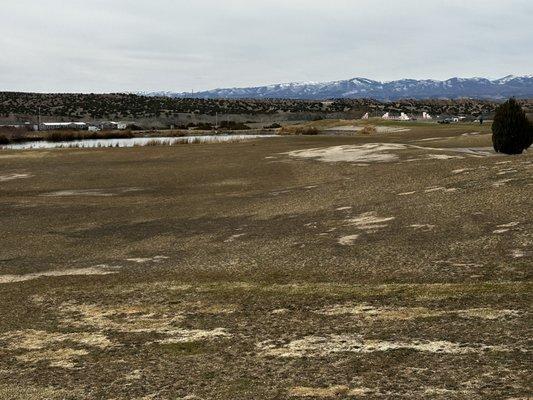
[358,88]
[16,106]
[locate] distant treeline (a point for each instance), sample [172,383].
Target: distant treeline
[20,106]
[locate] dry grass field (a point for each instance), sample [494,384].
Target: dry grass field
[381,266]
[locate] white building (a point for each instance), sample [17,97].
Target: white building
[401,117]
[50,126]
[404,117]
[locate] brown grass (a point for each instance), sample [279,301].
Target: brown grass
[368,130]
[298,130]
[64,136]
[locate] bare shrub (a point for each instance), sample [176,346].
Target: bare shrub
[368,130]
[298,130]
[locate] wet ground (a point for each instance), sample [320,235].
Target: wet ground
[384,266]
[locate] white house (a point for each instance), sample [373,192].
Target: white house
[404,117]
[401,117]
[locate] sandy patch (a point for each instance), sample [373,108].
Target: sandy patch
[332,391]
[348,240]
[91,192]
[503,228]
[371,152]
[135,319]
[422,227]
[231,182]
[502,182]
[441,156]
[32,339]
[383,153]
[488,313]
[233,237]
[440,189]
[143,260]
[194,335]
[509,225]
[356,128]
[26,392]
[406,193]
[521,253]
[369,222]
[11,177]
[369,312]
[36,345]
[461,170]
[360,391]
[320,346]
[61,358]
[98,270]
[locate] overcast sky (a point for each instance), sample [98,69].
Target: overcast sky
[183,45]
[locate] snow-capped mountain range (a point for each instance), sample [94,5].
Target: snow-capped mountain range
[478,88]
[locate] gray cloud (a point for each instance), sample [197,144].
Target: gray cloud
[129,45]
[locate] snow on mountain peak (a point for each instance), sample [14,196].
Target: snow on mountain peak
[477,87]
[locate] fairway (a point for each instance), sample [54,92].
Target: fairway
[389,265]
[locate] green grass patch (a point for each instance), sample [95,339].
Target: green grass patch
[186,348]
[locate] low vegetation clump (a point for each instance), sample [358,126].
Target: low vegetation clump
[275,125]
[65,136]
[298,130]
[234,126]
[512,132]
[4,139]
[368,130]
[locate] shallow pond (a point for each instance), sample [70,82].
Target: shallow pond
[131,142]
